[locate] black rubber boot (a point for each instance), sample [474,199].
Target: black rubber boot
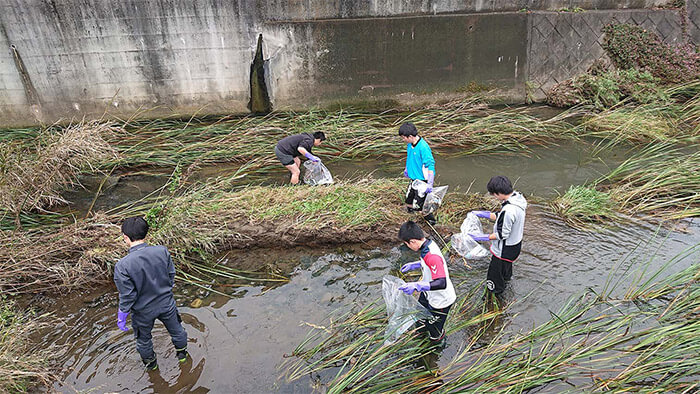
[181,355]
[151,365]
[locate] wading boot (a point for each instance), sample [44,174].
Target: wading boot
[439,344]
[430,219]
[151,365]
[181,355]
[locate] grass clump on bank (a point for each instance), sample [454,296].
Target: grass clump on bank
[645,339]
[199,221]
[32,174]
[21,368]
[661,180]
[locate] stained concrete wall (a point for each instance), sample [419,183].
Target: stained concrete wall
[65,59]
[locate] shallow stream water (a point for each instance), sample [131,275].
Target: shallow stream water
[238,344]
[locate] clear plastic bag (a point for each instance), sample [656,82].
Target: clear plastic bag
[434,199]
[403,310]
[463,244]
[316,174]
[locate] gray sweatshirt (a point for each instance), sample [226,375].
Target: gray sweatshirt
[510,222]
[145,279]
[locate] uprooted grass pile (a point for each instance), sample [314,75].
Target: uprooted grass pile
[198,222]
[21,368]
[661,180]
[645,339]
[33,172]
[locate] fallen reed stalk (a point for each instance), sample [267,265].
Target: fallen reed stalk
[644,340]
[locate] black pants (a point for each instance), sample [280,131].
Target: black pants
[499,272]
[143,324]
[436,324]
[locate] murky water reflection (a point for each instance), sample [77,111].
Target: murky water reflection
[238,344]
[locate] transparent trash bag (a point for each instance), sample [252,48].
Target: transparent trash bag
[316,174]
[434,199]
[403,310]
[465,245]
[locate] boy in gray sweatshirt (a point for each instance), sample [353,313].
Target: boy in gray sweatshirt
[506,239]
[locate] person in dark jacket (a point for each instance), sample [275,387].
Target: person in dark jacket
[289,150]
[507,237]
[145,279]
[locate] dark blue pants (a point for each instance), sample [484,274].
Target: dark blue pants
[143,324]
[436,324]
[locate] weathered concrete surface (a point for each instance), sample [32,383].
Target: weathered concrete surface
[693,8]
[85,57]
[286,10]
[562,45]
[65,59]
[314,62]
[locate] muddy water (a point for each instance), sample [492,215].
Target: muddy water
[238,344]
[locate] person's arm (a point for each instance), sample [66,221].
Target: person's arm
[308,154]
[171,268]
[437,271]
[126,288]
[428,163]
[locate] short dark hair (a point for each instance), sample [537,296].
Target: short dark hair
[410,230]
[135,228]
[499,185]
[319,136]
[408,129]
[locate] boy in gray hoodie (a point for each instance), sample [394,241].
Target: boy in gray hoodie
[507,233]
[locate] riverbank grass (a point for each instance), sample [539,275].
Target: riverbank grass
[21,367]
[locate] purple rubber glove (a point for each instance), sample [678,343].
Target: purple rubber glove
[410,287]
[311,157]
[121,320]
[482,214]
[410,266]
[405,173]
[429,178]
[480,237]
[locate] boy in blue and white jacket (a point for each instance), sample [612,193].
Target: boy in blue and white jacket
[420,165]
[437,294]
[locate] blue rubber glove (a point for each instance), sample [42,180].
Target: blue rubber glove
[429,178]
[410,287]
[311,157]
[482,214]
[405,173]
[480,237]
[410,266]
[121,320]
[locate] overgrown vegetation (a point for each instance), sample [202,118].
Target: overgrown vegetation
[21,367]
[198,221]
[33,172]
[645,339]
[661,180]
[642,66]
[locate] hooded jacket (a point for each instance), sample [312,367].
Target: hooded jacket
[510,222]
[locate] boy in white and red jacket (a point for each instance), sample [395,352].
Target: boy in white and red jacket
[436,291]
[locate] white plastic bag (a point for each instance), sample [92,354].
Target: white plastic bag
[465,245]
[434,199]
[403,310]
[316,174]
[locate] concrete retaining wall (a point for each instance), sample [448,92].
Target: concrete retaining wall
[65,59]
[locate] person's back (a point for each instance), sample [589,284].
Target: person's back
[289,145]
[509,226]
[151,272]
[144,279]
